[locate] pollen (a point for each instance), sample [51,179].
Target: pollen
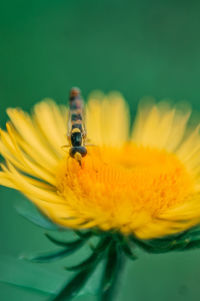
[123,188]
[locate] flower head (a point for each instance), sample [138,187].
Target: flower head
[146,183]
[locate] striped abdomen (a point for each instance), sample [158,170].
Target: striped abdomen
[76,128]
[76,107]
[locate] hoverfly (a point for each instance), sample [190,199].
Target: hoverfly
[76,126]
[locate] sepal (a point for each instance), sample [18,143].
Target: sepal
[125,246]
[183,241]
[73,287]
[68,244]
[86,269]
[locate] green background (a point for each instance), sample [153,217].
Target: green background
[139,48]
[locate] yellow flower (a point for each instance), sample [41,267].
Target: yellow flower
[146,183]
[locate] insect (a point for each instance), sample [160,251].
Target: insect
[76,126]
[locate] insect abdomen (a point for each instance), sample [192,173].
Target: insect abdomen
[77,132]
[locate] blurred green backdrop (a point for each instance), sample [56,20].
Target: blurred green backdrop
[140,48]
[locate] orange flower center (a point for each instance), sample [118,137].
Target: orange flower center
[119,186]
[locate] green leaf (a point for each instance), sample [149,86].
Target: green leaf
[143,245]
[186,245]
[192,245]
[32,214]
[31,276]
[110,268]
[128,252]
[24,274]
[84,234]
[94,258]
[93,282]
[91,260]
[73,287]
[68,244]
[49,257]
[113,268]
[193,232]
[58,254]
[102,244]
[78,282]
[186,240]
[125,247]
[156,246]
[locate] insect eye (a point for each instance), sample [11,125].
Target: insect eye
[76,139]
